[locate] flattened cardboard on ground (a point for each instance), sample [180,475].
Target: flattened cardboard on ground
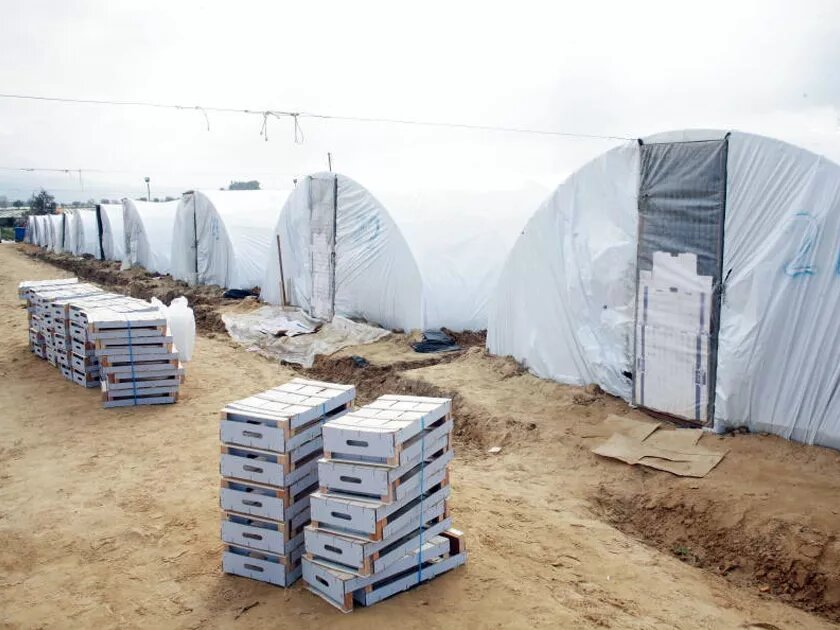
[686,462]
[676,439]
[631,427]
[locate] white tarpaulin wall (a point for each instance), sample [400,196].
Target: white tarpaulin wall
[222,236]
[56,232]
[38,230]
[110,215]
[565,303]
[148,229]
[70,231]
[85,233]
[47,229]
[402,260]
[31,228]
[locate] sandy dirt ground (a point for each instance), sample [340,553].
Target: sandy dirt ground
[109,518]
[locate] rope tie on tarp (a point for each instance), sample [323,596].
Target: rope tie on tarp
[131,361]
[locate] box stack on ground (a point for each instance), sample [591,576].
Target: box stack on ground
[138,362]
[38,329]
[380,520]
[271,444]
[46,305]
[101,339]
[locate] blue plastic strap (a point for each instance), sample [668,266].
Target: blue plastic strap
[131,361]
[422,491]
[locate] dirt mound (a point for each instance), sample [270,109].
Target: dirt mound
[468,338]
[792,561]
[206,300]
[476,428]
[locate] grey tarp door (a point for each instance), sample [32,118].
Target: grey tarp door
[322,221]
[682,202]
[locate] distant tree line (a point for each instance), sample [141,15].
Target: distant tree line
[250,185]
[43,202]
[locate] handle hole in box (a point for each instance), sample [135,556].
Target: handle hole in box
[333,549]
[360,443]
[350,479]
[254,567]
[322,580]
[344,517]
[251,536]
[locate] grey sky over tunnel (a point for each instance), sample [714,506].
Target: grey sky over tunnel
[608,68]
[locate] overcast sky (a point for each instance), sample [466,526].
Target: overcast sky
[611,68]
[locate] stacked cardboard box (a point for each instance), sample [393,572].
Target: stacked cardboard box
[78,363]
[37,328]
[100,339]
[380,520]
[271,443]
[138,362]
[45,301]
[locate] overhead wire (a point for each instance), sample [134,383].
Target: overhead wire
[297,115]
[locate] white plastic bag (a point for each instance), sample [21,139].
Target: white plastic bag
[181,321]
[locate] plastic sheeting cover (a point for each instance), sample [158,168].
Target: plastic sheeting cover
[56,232]
[564,303]
[408,260]
[113,234]
[253,331]
[85,233]
[233,230]
[148,234]
[70,231]
[376,277]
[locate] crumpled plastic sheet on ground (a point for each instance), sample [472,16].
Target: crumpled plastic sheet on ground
[255,331]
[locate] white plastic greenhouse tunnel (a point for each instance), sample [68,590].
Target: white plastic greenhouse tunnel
[37,237]
[85,233]
[69,242]
[148,229]
[222,237]
[31,228]
[49,231]
[111,232]
[56,239]
[404,260]
[694,273]
[43,230]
